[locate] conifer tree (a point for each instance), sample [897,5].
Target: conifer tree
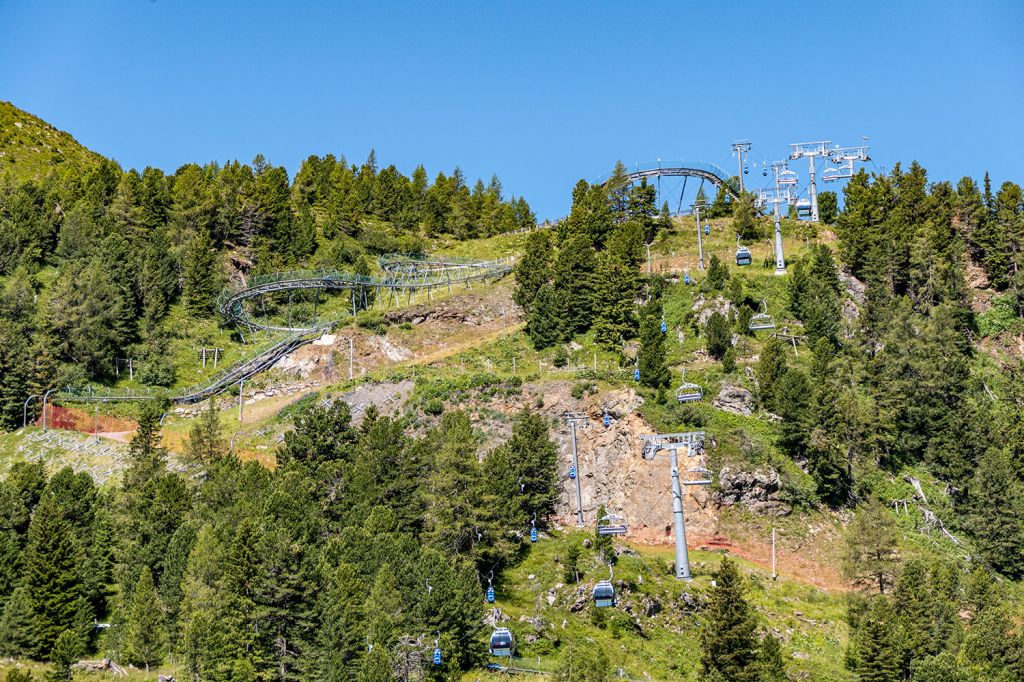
[996,514]
[206,439]
[717,335]
[718,275]
[145,636]
[877,654]
[18,625]
[533,270]
[828,207]
[651,359]
[199,275]
[546,324]
[66,650]
[771,367]
[52,564]
[728,636]
[872,554]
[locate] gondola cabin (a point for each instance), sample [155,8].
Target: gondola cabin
[437,656]
[636,374]
[490,595]
[743,256]
[604,594]
[572,472]
[502,643]
[803,209]
[533,534]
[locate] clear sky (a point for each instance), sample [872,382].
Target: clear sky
[541,93]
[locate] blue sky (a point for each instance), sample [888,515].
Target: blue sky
[541,93]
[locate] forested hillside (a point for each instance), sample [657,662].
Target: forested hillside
[93,258]
[868,406]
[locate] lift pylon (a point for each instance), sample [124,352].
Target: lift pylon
[811,151]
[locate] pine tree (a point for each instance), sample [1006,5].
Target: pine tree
[877,655]
[744,221]
[66,650]
[717,335]
[729,645]
[533,270]
[770,663]
[52,564]
[546,324]
[718,275]
[872,554]
[18,625]
[996,514]
[145,638]
[770,369]
[651,359]
[341,637]
[200,277]
[828,207]
[376,666]
[206,438]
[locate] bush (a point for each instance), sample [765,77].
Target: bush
[434,406]
[716,331]
[561,358]
[729,361]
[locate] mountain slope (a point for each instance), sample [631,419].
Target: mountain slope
[30,147]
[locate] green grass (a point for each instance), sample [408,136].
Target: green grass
[30,148]
[665,645]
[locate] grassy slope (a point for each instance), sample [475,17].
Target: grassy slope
[31,147]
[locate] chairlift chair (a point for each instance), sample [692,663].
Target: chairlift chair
[612,524]
[689,392]
[831,174]
[788,177]
[604,594]
[502,643]
[761,320]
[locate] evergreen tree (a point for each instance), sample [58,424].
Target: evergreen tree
[728,637]
[744,218]
[651,359]
[66,650]
[546,324]
[995,514]
[52,564]
[771,665]
[717,335]
[533,270]
[145,634]
[771,367]
[877,654]
[718,275]
[199,276]
[206,439]
[828,207]
[18,625]
[872,555]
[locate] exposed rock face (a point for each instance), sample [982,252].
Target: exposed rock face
[756,490]
[706,308]
[735,399]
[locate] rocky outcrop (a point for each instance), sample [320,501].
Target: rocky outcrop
[735,399]
[758,490]
[705,308]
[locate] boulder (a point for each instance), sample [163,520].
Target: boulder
[757,490]
[735,399]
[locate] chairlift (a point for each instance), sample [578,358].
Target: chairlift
[604,593]
[787,177]
[803,208]
[502,643]
[689,392]
[743,256]
[761,320]
[612,524]
[706,473]
[831,174]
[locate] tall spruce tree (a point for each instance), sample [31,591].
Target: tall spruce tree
[728,636]
[199,275]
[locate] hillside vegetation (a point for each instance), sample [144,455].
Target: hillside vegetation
[349,529]
[30,148]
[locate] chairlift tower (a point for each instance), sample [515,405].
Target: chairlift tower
[692,442]
[844,159]
[782,194]
[573,418]
[741,147]
[697,206]
[811,151]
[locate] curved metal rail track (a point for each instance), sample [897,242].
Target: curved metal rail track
[403,276]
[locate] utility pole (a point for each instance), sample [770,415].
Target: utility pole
[572,418]
[241,387]
[693,443]
[811,151]
[700,239]
[741,147]
[774,574]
